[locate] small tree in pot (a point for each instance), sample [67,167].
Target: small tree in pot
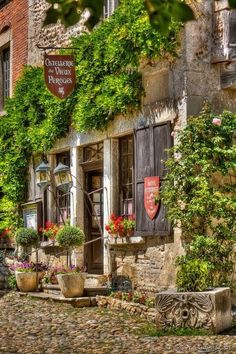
[26,237]
[27,277]
[71,282]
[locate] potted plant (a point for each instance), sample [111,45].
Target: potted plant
[26,275]
[120,226]
[50,231]
[26,237]
[71,280]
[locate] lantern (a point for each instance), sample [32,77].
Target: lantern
[43,176]
[63,178]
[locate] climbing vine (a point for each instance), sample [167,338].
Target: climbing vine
[109,82]
[200,193]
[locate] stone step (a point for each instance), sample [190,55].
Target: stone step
[85,301]
[55,289]
[95,280]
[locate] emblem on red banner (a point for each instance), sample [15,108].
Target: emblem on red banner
[59,74]
[151,195]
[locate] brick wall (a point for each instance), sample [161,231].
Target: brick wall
[15,16]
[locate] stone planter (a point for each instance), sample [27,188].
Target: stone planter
[72,284]
[26,281]
[208,309]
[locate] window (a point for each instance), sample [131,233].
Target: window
[126,175]
[4,74]
[109,7]
[151,144]
[93,153]
[63,199]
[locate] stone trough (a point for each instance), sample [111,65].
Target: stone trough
[209,309]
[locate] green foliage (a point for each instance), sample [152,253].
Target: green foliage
[193,275]
[218,251]
[26,237]
[70,236]
[11,282]
[161,13]
[200,187]
[107,64]
[109,83]
[200,192]
[151,330]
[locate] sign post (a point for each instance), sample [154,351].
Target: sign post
[59,74]
[151,195]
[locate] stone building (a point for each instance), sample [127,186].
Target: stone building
[116,161]
[13,44]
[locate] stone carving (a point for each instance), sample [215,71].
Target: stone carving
[185,310]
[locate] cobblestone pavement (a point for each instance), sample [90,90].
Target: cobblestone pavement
[33,326]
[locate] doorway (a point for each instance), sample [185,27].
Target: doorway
[94,250]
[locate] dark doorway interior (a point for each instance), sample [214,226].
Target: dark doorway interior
[94,251]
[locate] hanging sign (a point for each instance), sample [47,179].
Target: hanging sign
[151,195]
[59,74]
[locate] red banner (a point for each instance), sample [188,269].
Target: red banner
[59,74]
[151,195]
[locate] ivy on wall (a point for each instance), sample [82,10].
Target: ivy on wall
[200,193]
[109,83]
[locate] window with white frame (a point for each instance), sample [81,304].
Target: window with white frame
[63,199]
[126,175]
[109,7]
[5,66]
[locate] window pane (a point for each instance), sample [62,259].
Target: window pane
[6,73]
[126,175]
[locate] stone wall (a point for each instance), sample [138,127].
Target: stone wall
[14,17]
[49,36]
[175,89]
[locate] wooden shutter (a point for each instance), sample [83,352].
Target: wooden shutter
[150,153]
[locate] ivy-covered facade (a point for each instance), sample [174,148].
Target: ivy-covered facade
[135,90]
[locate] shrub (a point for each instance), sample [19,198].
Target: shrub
[193,274]
[26,237]
[11,282]
[70,236]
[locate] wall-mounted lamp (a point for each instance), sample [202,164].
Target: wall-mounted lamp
[43,178]
[63,178]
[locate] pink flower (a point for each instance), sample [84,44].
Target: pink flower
[216,121]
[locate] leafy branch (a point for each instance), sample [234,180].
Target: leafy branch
[160,12]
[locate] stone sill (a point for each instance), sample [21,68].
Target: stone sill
[123,241]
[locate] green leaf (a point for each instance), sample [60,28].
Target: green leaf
[182,12]
[232,4]
[52,16]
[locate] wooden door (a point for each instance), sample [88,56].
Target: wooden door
[94,250]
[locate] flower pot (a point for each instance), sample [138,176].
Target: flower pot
[26,281]
[72,284]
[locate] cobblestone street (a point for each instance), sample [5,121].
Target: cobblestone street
[33,326]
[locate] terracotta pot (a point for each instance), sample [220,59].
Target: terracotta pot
[26,281]
[72,284]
